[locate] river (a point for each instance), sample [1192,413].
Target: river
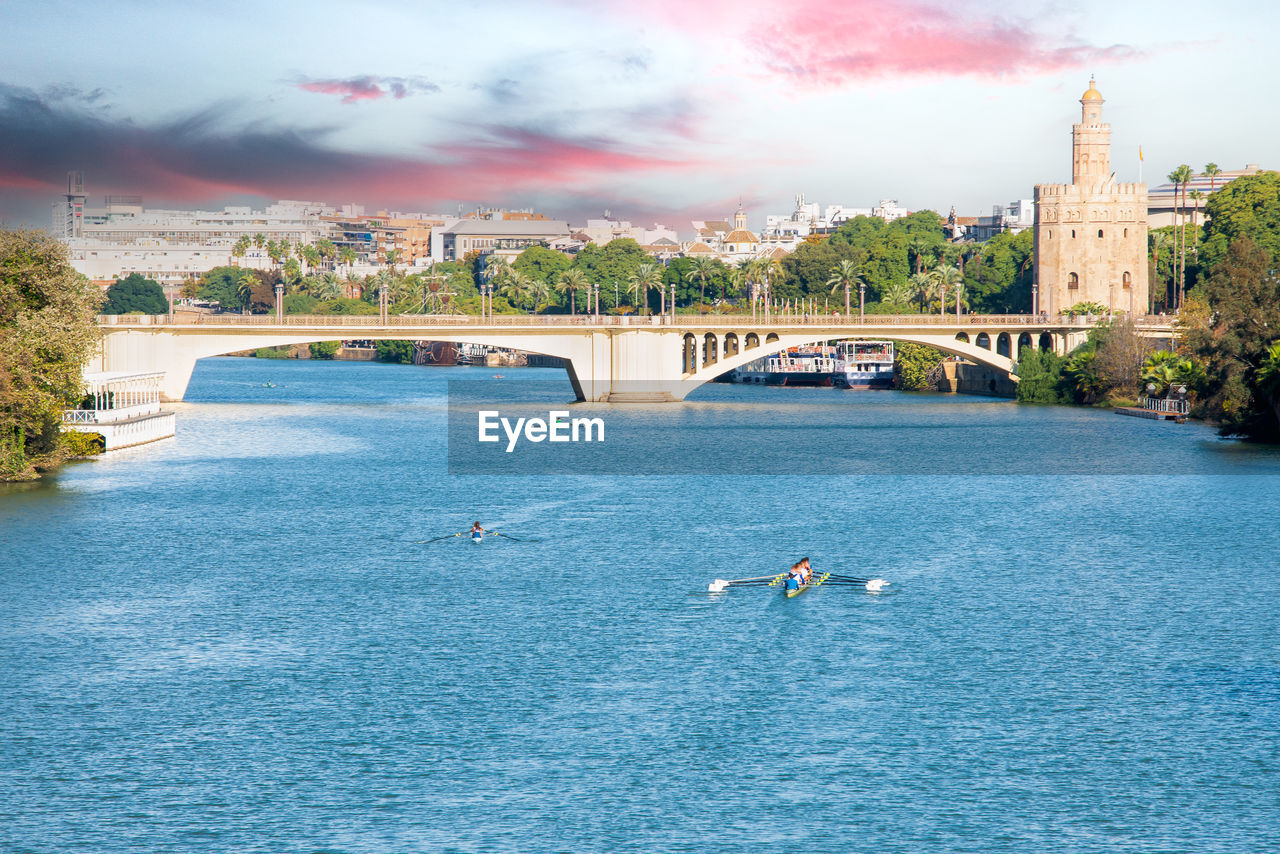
[234,640]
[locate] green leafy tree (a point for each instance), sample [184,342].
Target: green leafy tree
[543,264]
[611,266]
[944,279]
[222,285]
[1248,206]
[645,278]
[998,278]
[136,293]
[1040,377]
[845,277]
[325,349]
[345,306]
[569,282]
[700,269]
[897,295]
[913,364]
[47,334]
[397,352]
[1234,340]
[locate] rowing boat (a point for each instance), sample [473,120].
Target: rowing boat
[476,538]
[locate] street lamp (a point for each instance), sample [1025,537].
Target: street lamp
[862,302]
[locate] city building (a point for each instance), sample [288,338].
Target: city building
[1018,215]
[1091,234]
[1166,201]
[506,237]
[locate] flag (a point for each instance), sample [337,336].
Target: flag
[1139,152]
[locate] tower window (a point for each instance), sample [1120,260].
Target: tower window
[1127,281]
[1073,281]
[1126,232]
[1099,232]
[1051,234]
[1073,234]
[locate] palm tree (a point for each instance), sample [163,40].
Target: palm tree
[259,240]
[240,248]
[292,274]
[324,246]
[274,252]
[516,286]
[919,248]
[244,287]
[571,281]
[1212,172]
[347,256]
[496,268]
[645,277]
[897,293]
[311,256]
[1180,177]
[700,268]
[921,287]
[944,277]
[1159,243]
[328,286]
[1196,196]
[845,275]
[733,282]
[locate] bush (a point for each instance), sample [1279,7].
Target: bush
[913,364]
[400,352]
[271,353]
[135,294]
[299,304]
[1040,377]
[79,444]
[325,349]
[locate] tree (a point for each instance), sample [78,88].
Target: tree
[47,334]
[325,349]
[922,288]
[398,352]
[612,265]
[1180,177]
[897,294]
[1040,377]
[570,282]
[542,264]
[1234,341]
[1160,242]
[701,268]
[943,278]
[1248,206]
[998,279]
[1211,171]
[914,363]
[845,275]
[135,293]
[240,248]
[222,285]
[645,278]
[516,287]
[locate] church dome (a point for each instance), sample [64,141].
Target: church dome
[1092,94]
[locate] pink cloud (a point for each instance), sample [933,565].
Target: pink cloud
[829,41]
[368,87]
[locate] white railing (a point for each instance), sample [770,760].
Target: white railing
[1167,404]
[706,321]
[79,416]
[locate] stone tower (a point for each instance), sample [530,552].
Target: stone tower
[1091,234]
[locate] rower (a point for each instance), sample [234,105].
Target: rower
[805,570]
[794,577]
[477,531]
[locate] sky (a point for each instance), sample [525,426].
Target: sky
[658,111]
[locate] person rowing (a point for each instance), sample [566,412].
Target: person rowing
[805,570]
[478,531]
[795,578]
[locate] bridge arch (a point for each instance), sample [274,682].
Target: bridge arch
[753,341]
[776,343]
[962,336]
[1004,345]
[983,340]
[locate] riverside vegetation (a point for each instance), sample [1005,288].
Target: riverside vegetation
[47,333]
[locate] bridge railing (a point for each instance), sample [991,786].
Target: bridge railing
[705,321]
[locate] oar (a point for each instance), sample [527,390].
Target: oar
[761,581]
[437,539]
[515,539]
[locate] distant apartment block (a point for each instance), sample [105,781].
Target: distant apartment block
[1165,201]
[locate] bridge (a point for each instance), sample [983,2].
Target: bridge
[615,359]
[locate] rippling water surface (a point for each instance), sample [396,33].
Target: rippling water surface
[232,642]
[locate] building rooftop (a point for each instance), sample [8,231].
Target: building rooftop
[508,227]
